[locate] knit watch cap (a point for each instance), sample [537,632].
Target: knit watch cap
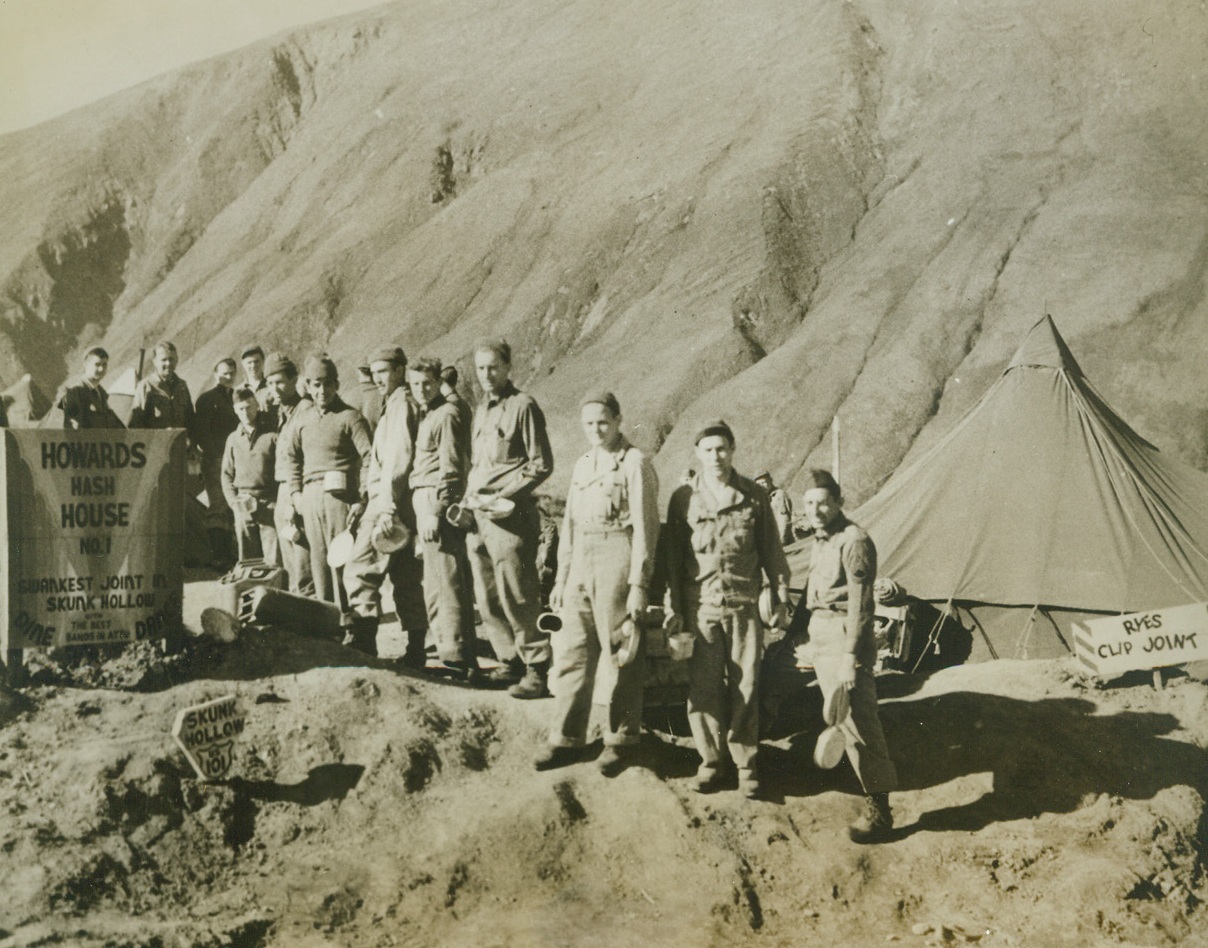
[320,368]
[279,362]
[715,427]
[392,354]
[607,399]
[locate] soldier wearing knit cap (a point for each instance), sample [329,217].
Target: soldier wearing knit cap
[723,553]
[326,455]
[286,407]
[842,644]
[605,567]
[388,497]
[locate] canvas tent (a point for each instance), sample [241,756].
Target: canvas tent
[1039,507]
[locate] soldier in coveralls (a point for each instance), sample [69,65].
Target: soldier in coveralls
[605,565]
[839,597]
[723,553]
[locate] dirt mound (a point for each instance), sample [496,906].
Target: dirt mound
[371,807]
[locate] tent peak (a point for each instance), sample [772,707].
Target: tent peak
[1043,346]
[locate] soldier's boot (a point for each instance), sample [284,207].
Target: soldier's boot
[614,759]
[875,824]
[362,635]
[416,655]
[533,684]
[507,673]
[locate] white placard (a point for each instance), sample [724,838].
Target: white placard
[1116,644]
[207,734]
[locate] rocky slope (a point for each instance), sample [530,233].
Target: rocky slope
[778,212]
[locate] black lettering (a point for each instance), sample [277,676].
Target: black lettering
[138,455]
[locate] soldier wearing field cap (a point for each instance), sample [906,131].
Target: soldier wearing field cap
[326,456]
[512,457]
[285,406]
[605,566]
[388,499]
[723,553]
[839,597]
[781,504]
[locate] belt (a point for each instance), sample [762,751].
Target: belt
[603,531]
[253,491]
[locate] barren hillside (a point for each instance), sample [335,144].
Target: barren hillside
[771,211]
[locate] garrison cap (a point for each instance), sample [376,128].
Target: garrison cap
[320,368]
[279,362]
[392,354]
[715,427]
[816,477]
[607,399]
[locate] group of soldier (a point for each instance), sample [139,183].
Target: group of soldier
[440,498]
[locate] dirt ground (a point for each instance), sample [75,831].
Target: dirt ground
[372,807]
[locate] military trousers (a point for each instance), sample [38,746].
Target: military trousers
[324,516]
[218,511]
[293,556]
[448,583]
[594,603]
[256,534]
[367,569]
[723,684]
[503,557]
[866,747]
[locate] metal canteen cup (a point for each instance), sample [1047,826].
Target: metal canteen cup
[549,623]
[460,517]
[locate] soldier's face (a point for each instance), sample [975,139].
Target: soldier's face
[820,507]
[95,368]
[280,387]
[224,374]
[387,376]
[246,410]
[165,364]
[493,373]
[601,426]
[253,367]
[424,386]
[716,455]
[323,391]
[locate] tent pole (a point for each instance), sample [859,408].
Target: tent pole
[1027,634]
[835,450]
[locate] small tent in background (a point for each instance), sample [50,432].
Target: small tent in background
[1040,507]
[24,403]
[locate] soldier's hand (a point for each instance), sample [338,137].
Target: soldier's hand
[429,529]
[637,602]
[354,515]
[673,623]
[555,599]
[847,671]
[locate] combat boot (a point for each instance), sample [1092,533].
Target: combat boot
[532,685]
[875,824]
[362,635]
[614,758]
[416,656]
[507,673]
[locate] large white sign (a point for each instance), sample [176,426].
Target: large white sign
[93,523]
[1116,644]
